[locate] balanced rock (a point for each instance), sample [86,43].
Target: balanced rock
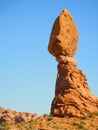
[64,36]
[72,93]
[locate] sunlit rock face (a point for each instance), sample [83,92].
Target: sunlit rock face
[64,36]
[72,93]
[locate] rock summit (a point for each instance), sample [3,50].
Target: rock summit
[64,36]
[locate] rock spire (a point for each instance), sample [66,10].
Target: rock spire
[72,93]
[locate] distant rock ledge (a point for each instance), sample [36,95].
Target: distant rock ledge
[8,115]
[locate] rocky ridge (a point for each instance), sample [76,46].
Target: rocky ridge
[8,115]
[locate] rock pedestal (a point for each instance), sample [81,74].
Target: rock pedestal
[72,93]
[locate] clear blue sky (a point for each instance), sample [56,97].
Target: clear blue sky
[27,71]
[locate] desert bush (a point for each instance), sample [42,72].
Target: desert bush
[80,125]
[4,126]
[57,127]
[50,117]
[90,115]
[96,113]
[44,115]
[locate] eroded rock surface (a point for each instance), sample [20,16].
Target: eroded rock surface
[8,115]
[64,36]
[72,93]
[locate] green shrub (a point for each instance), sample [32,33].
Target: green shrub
[57,127]
[50,117]
[4,126]
[96,113]
[44,115]
[80,125]
[90,115]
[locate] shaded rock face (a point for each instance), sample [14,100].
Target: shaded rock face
[64,36]
[8,115]
[72,93]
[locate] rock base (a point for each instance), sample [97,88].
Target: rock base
[72,93]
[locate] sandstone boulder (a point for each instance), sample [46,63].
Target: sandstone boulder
[64,36]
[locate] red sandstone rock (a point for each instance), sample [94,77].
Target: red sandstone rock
[72,93]
[8,115]
[64,36]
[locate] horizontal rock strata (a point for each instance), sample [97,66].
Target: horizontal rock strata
[72,93]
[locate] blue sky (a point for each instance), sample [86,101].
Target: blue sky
[27,71]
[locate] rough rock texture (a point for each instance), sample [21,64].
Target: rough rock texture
[72,93]
[8,115]
[64,36]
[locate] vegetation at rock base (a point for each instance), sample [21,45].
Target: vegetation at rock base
[48,122]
